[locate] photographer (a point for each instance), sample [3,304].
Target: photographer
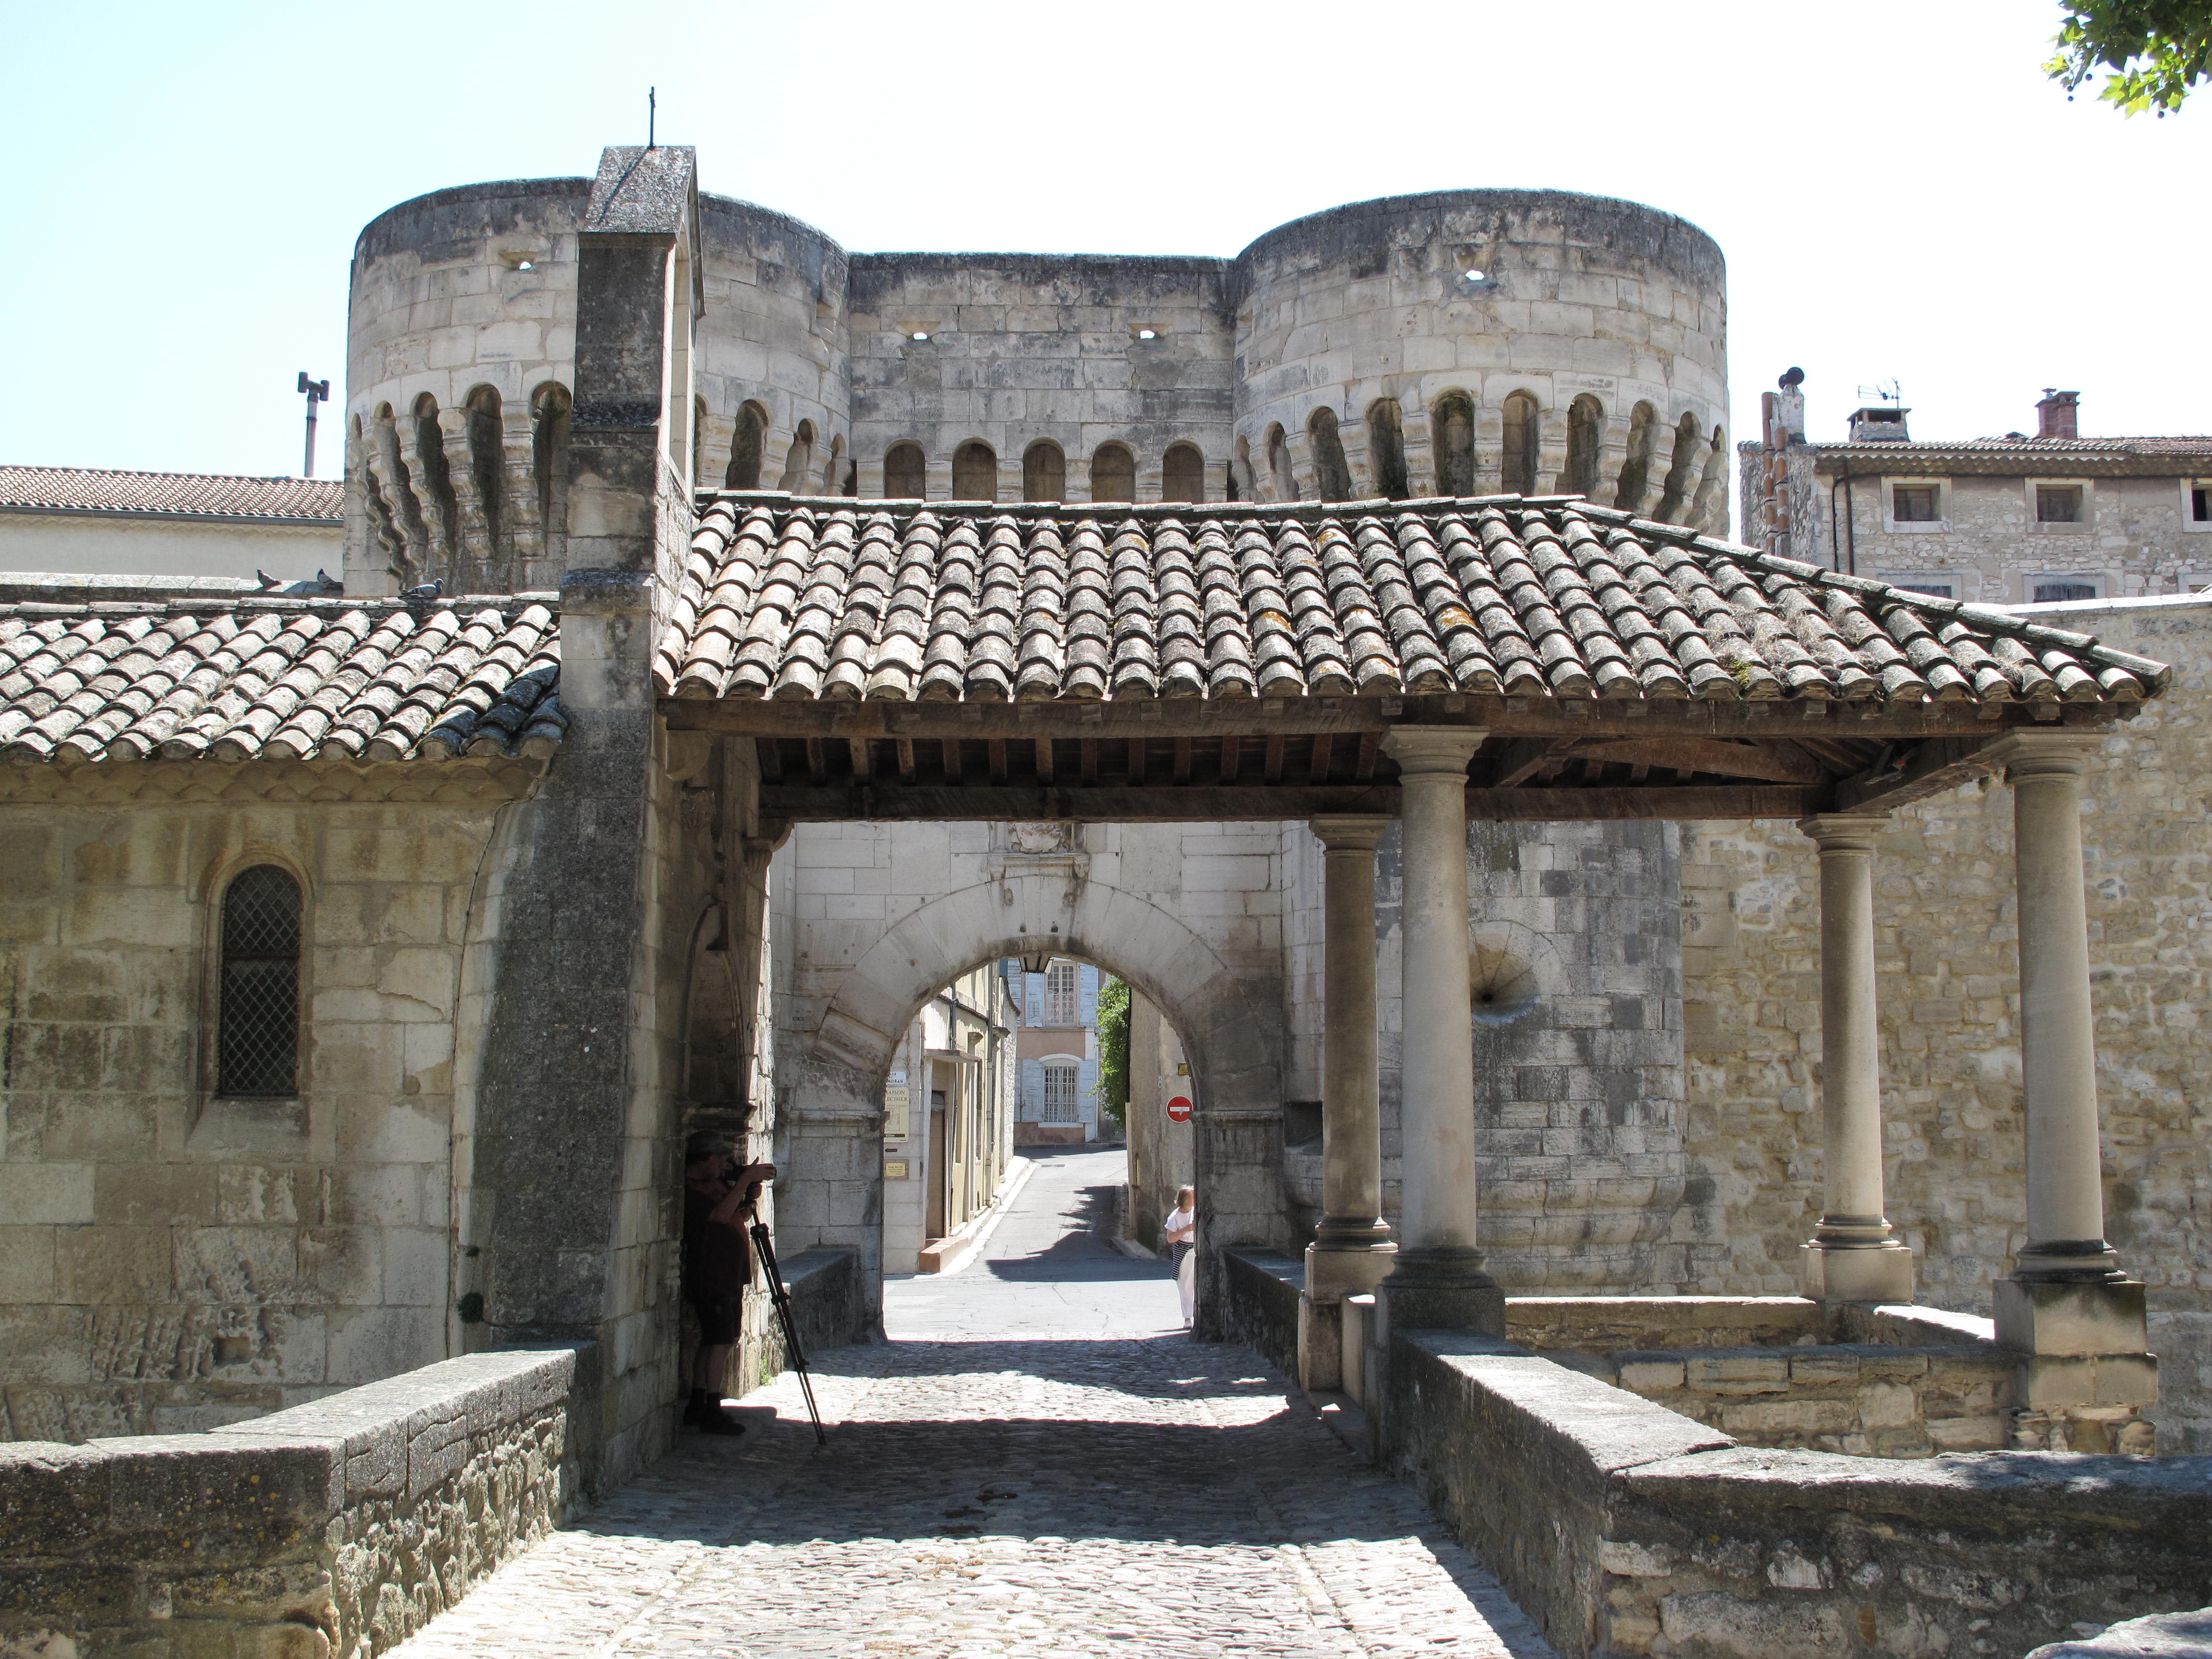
[718,1204]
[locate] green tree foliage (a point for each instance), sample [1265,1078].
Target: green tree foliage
[1113,1048]
[2157,51]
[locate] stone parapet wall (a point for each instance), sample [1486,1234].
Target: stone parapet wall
[1669,1537]
[335,1529]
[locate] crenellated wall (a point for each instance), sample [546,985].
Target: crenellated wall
[1463,342]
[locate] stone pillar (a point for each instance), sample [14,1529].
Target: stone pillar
[1351,1247]
[2068,1306]
[1437,1280]
[1855,1255]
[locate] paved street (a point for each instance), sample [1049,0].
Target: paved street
[1038,1463]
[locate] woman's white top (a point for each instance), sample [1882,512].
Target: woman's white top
[1178,1221]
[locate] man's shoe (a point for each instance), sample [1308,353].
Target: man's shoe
[696,1410]
[718,1421]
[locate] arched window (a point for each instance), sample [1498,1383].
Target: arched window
[1182,474]
[1585,424]
[1045,472]
[974,473]
[745,448]
[550,404]
[487,457]
[906,474]
[1332,473]
[1636,474]
[257,1026]
[1454,421]
[1519,458]
[1113,474]
[1681,475]
[1386,448]
[437,480]
[1278,464]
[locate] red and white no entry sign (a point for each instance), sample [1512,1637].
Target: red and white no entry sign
[1179,1109]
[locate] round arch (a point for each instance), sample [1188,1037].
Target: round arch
[1230,1028]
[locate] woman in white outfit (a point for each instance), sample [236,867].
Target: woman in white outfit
[1181,1231]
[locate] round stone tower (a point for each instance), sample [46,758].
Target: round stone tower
[1478,341]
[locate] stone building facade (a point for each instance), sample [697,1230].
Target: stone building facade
[2020,519]
[543,934]
[1059,1050]
[949,1112]
[1455,344]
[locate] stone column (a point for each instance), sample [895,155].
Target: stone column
[1438,1278]
[2068,1305]
[1351,1247]
[1855,1255]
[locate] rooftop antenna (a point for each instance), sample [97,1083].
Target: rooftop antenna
[1888,392]
[652,109]
[315,391]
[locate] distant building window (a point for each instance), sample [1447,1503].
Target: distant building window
[257,1045]
[2200,504]
[1045,472]
[2062,590]
[1914,503]
[1060,994]
[2058,503]
[1062,1103]
[905,473]
[1934,590]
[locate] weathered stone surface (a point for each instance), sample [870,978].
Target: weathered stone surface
[329,1528]
[2158,1636]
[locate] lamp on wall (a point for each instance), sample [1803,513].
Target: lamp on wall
[1035,964]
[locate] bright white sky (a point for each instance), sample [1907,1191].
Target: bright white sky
[1900,193]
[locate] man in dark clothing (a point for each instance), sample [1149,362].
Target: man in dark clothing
[720,1203]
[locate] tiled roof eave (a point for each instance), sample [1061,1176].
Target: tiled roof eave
[2018,461]
[1488,593]
[334,521]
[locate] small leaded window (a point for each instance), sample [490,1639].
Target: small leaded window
[258,1051]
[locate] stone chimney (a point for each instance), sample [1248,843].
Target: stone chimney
[2055,415]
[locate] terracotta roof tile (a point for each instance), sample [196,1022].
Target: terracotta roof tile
[275,679]
[837,599]
[169,494]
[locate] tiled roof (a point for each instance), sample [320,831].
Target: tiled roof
[2158,457]
[168,494]
[276,680]
[1549,597]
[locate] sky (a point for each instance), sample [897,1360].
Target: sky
[1901,196]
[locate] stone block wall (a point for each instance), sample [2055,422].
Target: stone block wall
[1669,1537]
[171,1260]
[336,1529]
[1578,1046]
[1949,1018]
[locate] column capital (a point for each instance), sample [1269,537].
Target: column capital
[2030,753]
[1843,832]
[1348,832]
[1428,749]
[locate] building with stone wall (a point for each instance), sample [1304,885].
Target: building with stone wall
[948,1114]
[88,521]
[546,923]
[1059,1050]
[1162,1149]
[2019,519]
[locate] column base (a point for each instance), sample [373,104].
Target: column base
[1442,1289]
[1335,1270]
[2047,1316]
[1880,1273]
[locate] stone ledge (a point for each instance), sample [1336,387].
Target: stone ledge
[343,1525]
[1665,1536]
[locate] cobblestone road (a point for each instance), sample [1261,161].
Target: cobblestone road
[1125,1494]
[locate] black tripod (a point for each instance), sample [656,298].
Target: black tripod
[797,1355]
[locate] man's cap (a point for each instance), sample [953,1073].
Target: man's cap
[705,1143]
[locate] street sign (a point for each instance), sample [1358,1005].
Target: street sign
[1179,1109]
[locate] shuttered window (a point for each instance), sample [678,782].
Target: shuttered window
[1061,1095]
[1060,994]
